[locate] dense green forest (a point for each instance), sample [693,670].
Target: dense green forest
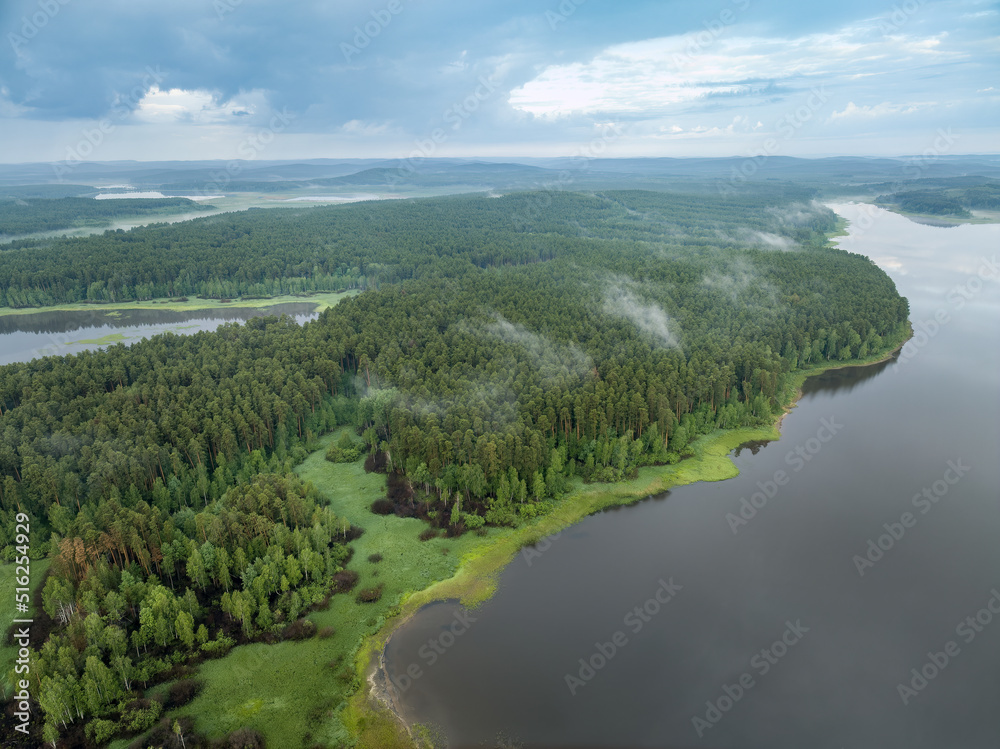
[19,216]
[333,249]
[503,346]
[946,197]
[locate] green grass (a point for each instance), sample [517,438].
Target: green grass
[8,613]
[289,691]
[110,338]
[322,300]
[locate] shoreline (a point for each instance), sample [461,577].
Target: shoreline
[474,581]
[322,300]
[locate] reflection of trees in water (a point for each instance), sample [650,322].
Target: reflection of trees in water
[846,379]
[63,322]
[832,381]
[753,446]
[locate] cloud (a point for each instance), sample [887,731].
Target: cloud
[798,214]
[659,70]
[878,110]
[655,76]
[551,359]
[742,284]
[198,106]
[620,301]
[772,241]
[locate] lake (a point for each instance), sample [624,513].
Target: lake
[843,592]
[28,336]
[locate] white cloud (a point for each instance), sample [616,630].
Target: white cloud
[197,106]
[619,301]
[363,128]
[852,110]
[657,75]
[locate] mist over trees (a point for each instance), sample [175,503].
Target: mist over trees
[502,347]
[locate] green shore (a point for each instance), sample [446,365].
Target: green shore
[373,721]
[321,299]
[319,691]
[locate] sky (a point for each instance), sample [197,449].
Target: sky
[234,79]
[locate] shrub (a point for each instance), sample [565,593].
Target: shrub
[218,647]
[473,522]
[337,454]
[245,738]
[139,715]
[182,692]
[370,595]
[344,580]
[427,534]
[326,633]
[375,558]
[99,731]
[383,507]
[301,629]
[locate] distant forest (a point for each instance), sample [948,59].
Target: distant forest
[955,196]
[25,216]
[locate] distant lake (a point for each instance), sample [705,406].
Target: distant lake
[28,336]
[785,634]
[150,195]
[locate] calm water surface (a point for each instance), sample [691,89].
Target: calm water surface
[25,337]
[793,571]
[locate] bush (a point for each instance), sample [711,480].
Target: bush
[326,633]
[375,558]
[301,629]
[473,522]
[99,731]
[218,647]
[427,534]
[140,715]
[344,580]
[337,454]
[163,735]
[383,507]
[370,595]
[182,692]
[244,738]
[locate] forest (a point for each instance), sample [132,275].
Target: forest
[20,216]
[502,346]
[954,196]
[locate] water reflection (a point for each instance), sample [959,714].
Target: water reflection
[791,561]
[54,333]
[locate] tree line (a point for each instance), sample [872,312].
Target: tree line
[504,345]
